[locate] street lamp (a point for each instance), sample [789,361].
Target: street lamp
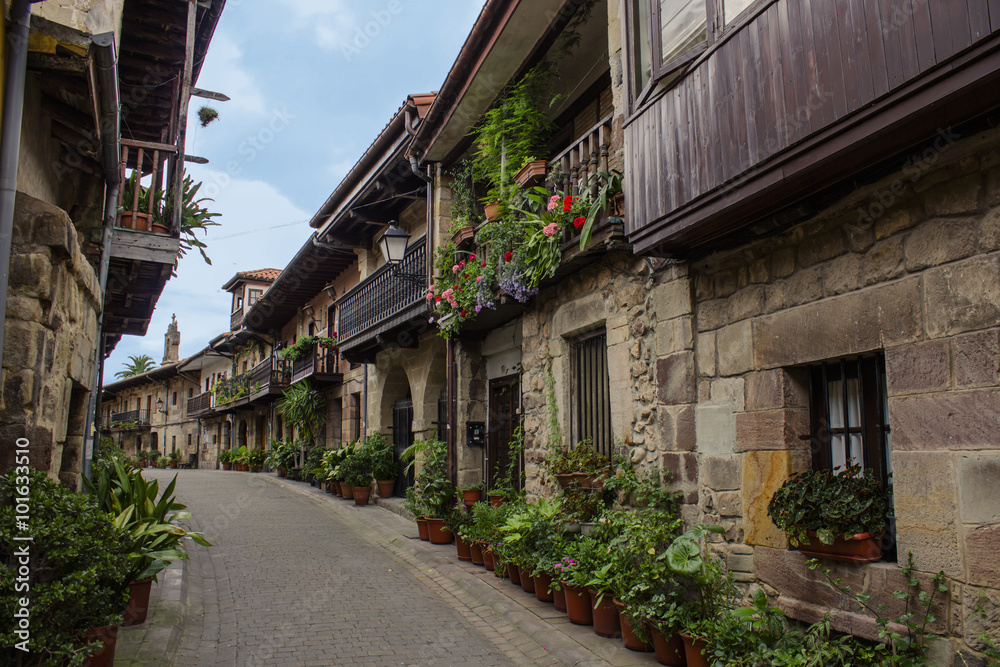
[159,404]
[393,246]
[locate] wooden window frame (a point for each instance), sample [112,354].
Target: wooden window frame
[576,391]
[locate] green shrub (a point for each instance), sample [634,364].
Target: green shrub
[77,576]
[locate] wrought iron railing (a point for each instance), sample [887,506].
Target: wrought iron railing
[319,361]
[200,404]
[229,390]
[383,294]
[130,419]
[272,372]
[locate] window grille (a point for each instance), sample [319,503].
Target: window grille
[592,393]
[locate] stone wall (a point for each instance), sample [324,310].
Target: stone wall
[52,306]
[909,265]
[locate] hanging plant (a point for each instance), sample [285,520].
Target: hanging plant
[304,345]
[207,115]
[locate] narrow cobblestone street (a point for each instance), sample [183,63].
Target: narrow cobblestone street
[297,577]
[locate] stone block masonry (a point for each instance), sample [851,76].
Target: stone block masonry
[53,306]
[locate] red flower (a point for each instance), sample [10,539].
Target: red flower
[437,299]
[579,222]
[483,265]
[568,203]
[471,257]
[462,314]
[507,256]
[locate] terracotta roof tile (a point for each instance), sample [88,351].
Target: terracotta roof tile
[269,275]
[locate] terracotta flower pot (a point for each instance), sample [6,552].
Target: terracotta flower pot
[492,211]
[138,602]
[668,650]
[362,494]
[693,651]
[527,582]
[578,605]
[108,636]
[559,599]
[542,583]
[136,221]
[227,466]
[437,532]
[462,547]
[338,489]
[385,487]
[564,479]
[605,616]
[472,496]
[489,560]
[515,574]
[496,499]
[173,464]
[159,228]
[862,548]
[476,553]
[281,471]
[532,172]
[422,529]
[588,480]
[348,491]
[629,639]
[330,487]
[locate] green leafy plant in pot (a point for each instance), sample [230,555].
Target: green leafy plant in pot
[80,560]
[383,456]
[844,512]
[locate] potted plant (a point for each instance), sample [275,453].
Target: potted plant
[138,214]
[710,590]
[532,173]
[582,465]
[78,595]
[472,494]
[255,459]
[356,471]
[175,458]
[435,491]
[282,456]
[458,521]
[225,459]
[162,462]
[839,515]
[152,522]
[383,464]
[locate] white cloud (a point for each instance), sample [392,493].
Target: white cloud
[224,71]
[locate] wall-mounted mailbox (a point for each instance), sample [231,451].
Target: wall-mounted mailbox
[475,433]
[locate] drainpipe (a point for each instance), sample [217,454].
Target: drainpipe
[364,402]
[107,76]
[452,411]
[10,140]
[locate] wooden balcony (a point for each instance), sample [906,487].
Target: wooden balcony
[231,393]
[320,364]
[236,319]
[268,379]
[384,310]
[131,420]
[202,405]
[794,100]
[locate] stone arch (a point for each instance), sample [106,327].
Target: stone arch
[390,388]
[242,435]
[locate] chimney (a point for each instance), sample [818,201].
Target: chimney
[171,342]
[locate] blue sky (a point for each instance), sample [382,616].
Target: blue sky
[312,83]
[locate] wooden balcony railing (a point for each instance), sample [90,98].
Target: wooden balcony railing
[571,170]
[270,376]
[200,405]
[320,363]
[236,319]
[147,212]
[130,419]
[382,295]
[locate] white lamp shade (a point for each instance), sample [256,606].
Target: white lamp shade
[393,244]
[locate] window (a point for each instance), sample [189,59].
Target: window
[173,399]
[849,419]
[237,303]
[592,392]
[190,393]
[207,385]
[253,296]
[356,416]
[173,443]
[665,34]
[189,442]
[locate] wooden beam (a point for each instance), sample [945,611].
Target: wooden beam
[185,99]
[209,95]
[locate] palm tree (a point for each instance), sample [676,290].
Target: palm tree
[137,365]
[303,408]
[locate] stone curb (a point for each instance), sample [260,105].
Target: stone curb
[155,642]
[475,591]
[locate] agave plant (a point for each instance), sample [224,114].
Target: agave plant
[194,217]
[149,517]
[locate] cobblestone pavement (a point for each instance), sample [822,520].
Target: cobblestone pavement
[298,577]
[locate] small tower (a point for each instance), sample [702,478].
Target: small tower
[171,342]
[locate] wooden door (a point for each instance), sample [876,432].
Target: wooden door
[504,418]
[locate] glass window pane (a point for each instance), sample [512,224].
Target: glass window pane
[732,8]
[682,27]
[642,48]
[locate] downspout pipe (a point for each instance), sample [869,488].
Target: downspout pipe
[10,141]
[107,77]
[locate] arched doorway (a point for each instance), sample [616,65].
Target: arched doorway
[154,440]
[241,435]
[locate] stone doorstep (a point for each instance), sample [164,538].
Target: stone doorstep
[495,601]
[155,642]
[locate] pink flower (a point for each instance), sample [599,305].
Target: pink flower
[447,294]
[472,257]
[454,268]
[430,296]
[551,228]
[553,202]
[479,279]
[461,264]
